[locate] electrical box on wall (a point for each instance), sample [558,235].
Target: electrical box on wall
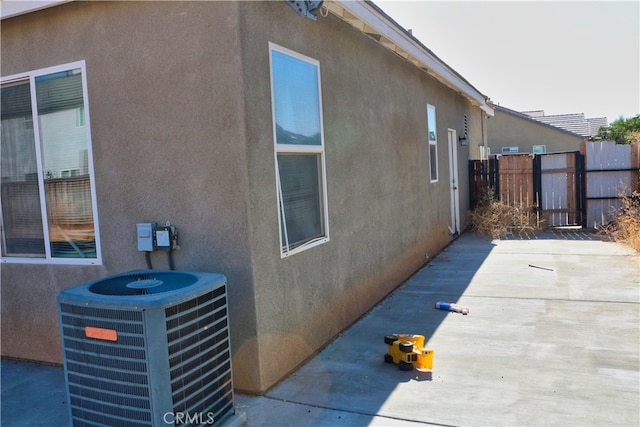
[152,236]
[146,236]
[166,237]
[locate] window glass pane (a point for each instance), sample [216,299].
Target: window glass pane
[67,183]
[298,122]
[22,232]
[296,100]
[433,142]
[431,123]
[301,198]
[433,162]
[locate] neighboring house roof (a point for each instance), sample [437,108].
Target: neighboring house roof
[596,122]
[576,123]
[367,18]
[533,118]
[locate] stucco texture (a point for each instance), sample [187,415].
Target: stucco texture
[385,217]
[511,130]
[181,125]
[168,145]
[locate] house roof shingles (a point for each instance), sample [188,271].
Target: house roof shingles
[576,123]
[531,116]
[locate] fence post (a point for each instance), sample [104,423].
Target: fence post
[581,189]
[537,184]
[494,176]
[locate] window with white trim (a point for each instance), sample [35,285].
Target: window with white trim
[299,150]
[47,182]
[433,142]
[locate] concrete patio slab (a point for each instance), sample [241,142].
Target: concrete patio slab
[552,338]
[557,345]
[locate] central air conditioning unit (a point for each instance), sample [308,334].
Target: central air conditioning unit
[148,348]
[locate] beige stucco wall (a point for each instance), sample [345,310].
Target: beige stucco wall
[385,216]
[180,113]
[168,142]
[509,130]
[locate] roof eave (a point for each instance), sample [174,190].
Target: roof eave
[363,15]
[11,8]
[372,21]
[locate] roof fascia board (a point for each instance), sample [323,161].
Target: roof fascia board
[11,8]
[370,16]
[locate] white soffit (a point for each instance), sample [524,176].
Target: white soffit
[366,17]
[10,8]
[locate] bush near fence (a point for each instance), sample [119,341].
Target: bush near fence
[573,188]
[492,217]
[625,228]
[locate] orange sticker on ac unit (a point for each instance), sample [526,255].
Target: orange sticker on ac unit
[101,333]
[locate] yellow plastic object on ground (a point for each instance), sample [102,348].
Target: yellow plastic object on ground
[408,352]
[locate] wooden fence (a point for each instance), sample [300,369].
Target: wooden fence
[516,180]
[612,172]
[560,188]
[483,177]
[581,188]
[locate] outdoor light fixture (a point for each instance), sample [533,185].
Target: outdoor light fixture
[463,140]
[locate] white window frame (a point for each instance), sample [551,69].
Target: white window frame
[432,143]
[30,76]
[285,249]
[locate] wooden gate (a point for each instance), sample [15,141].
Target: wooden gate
[579,188]
[560,188]
[483,177]
[516,180]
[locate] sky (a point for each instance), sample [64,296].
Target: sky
[558,56]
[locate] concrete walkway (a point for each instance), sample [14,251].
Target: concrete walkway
[553,338]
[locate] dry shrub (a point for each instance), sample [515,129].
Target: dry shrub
[494,218]
[625,228]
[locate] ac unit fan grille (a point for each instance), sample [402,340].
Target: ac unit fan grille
[102,313]
[104,377]
[199,356]
[138,284]
[131,359]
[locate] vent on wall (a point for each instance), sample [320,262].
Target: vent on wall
[148,348]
